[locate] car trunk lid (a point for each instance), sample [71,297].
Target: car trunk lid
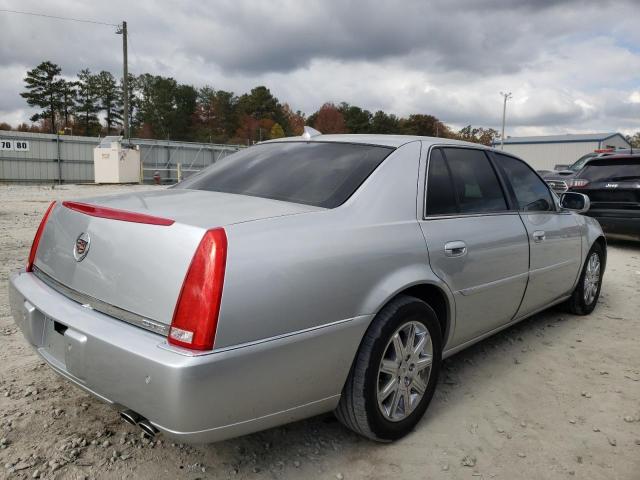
[133,269]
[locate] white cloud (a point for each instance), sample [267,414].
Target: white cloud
[571,65]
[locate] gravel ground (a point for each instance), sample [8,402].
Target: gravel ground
[555,397]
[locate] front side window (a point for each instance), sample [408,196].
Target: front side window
[323,174]
[531,192]
[462,181]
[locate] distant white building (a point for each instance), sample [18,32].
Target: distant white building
[545,152]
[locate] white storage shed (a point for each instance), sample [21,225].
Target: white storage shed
[114,162]
[545,152]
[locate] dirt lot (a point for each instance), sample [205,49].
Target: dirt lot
[557,396]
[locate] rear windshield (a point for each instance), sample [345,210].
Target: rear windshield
[312,173]
[616,170]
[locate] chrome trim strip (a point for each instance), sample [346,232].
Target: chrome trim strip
[548,268]
[198,353]
[467,215]
[480,288]
[92,303]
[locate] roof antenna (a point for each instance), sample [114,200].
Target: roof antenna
[310,132]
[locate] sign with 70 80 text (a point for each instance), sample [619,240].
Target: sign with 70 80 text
[14,145]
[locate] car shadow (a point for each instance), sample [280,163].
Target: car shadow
[624,244]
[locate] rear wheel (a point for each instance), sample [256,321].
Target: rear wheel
[395,372]
[586,294]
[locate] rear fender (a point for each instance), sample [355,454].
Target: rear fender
[402,280]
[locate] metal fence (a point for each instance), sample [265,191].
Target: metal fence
[38,157]
[173,160]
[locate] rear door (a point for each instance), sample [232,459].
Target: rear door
[477,244]
[554,236]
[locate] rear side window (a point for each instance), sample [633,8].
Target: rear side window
[531,192]
[440,200]
[475,184]
[462,181]
[581,161]
[615,171]
[313,173]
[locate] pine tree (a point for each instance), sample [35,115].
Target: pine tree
[87,103]
[44,90]
[133,85]
[67,101]
[110,99]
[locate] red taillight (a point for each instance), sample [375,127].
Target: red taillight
[36,239]
[115,214]
[196,315]
[578,183]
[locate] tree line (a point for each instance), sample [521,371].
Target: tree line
[161,108]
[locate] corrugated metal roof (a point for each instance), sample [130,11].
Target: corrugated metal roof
[568,138]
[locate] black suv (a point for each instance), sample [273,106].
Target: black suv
[561,180]
[613,187]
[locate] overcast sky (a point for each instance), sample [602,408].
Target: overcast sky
[573,66]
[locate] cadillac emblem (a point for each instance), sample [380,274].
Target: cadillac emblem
[81,248]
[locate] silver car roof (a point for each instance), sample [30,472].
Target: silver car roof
[382,140]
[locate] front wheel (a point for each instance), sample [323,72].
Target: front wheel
[395,372]
[586,294]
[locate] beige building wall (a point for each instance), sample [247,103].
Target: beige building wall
[545,156]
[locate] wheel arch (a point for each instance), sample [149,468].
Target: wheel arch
[592,234]
[602,241]
[436,297]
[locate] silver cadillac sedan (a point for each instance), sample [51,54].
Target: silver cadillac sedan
[300,276]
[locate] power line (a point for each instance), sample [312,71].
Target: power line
[58,18]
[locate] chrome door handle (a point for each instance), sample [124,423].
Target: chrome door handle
[539,235]
[455,249]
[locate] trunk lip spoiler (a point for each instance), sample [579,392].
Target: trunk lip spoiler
[117,214]
[93,303]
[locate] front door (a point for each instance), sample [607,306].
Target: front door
[554,236]
[477,245]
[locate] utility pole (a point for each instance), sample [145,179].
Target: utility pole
[122,30]
[506,96]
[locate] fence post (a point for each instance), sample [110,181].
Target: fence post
[59,164]
[179,171]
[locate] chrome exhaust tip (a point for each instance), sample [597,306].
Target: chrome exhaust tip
[146,427]
[130,417]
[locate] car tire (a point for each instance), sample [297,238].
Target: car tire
[585,296]
[363,406]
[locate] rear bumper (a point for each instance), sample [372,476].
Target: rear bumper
[618,222]
[192,398]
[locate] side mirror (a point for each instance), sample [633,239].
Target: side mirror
[578,202]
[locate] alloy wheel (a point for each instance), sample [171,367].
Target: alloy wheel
[591,279]
[404,371]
